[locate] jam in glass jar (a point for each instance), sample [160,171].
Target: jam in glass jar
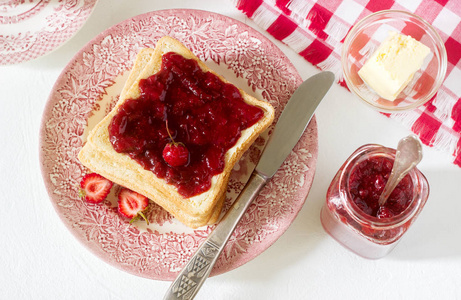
[351,213]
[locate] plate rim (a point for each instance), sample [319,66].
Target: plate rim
[28,57]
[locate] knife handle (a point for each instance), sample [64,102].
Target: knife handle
[198,268]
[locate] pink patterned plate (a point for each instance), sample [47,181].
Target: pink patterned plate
[32,28]
[87,89]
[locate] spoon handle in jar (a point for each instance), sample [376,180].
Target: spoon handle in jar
[409,153]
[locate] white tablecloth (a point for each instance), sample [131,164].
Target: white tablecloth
[40,258]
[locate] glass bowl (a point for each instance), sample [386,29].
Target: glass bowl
[366,36]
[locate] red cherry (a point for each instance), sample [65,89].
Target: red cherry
[175,154]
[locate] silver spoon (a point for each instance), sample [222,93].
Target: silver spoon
[409,153]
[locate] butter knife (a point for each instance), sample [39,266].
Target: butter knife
[289,128]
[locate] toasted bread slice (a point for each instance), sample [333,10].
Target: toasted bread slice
[142,59]
[99,155]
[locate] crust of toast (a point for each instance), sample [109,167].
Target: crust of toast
[99,155]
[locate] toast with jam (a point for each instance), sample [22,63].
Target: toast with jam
[176,133]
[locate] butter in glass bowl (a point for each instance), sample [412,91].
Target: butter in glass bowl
[363,42]
[391,67]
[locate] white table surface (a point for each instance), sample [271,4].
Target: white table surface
[40,258]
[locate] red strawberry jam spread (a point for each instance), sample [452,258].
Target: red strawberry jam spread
[203,113]
[366,184]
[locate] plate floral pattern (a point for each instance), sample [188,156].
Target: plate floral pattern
[32,28]
[88,88]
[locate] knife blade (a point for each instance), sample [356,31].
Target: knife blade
[289,128]
[293,121]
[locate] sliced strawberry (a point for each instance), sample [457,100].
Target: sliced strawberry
[95,188]
[132,204]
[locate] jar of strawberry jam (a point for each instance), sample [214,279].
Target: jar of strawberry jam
[352,215]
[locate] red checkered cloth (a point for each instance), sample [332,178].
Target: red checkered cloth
[316,29]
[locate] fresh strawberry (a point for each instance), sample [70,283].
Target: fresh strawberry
[175,154]
[95,188]
[132,204]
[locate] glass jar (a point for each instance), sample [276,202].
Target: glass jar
[363,234]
